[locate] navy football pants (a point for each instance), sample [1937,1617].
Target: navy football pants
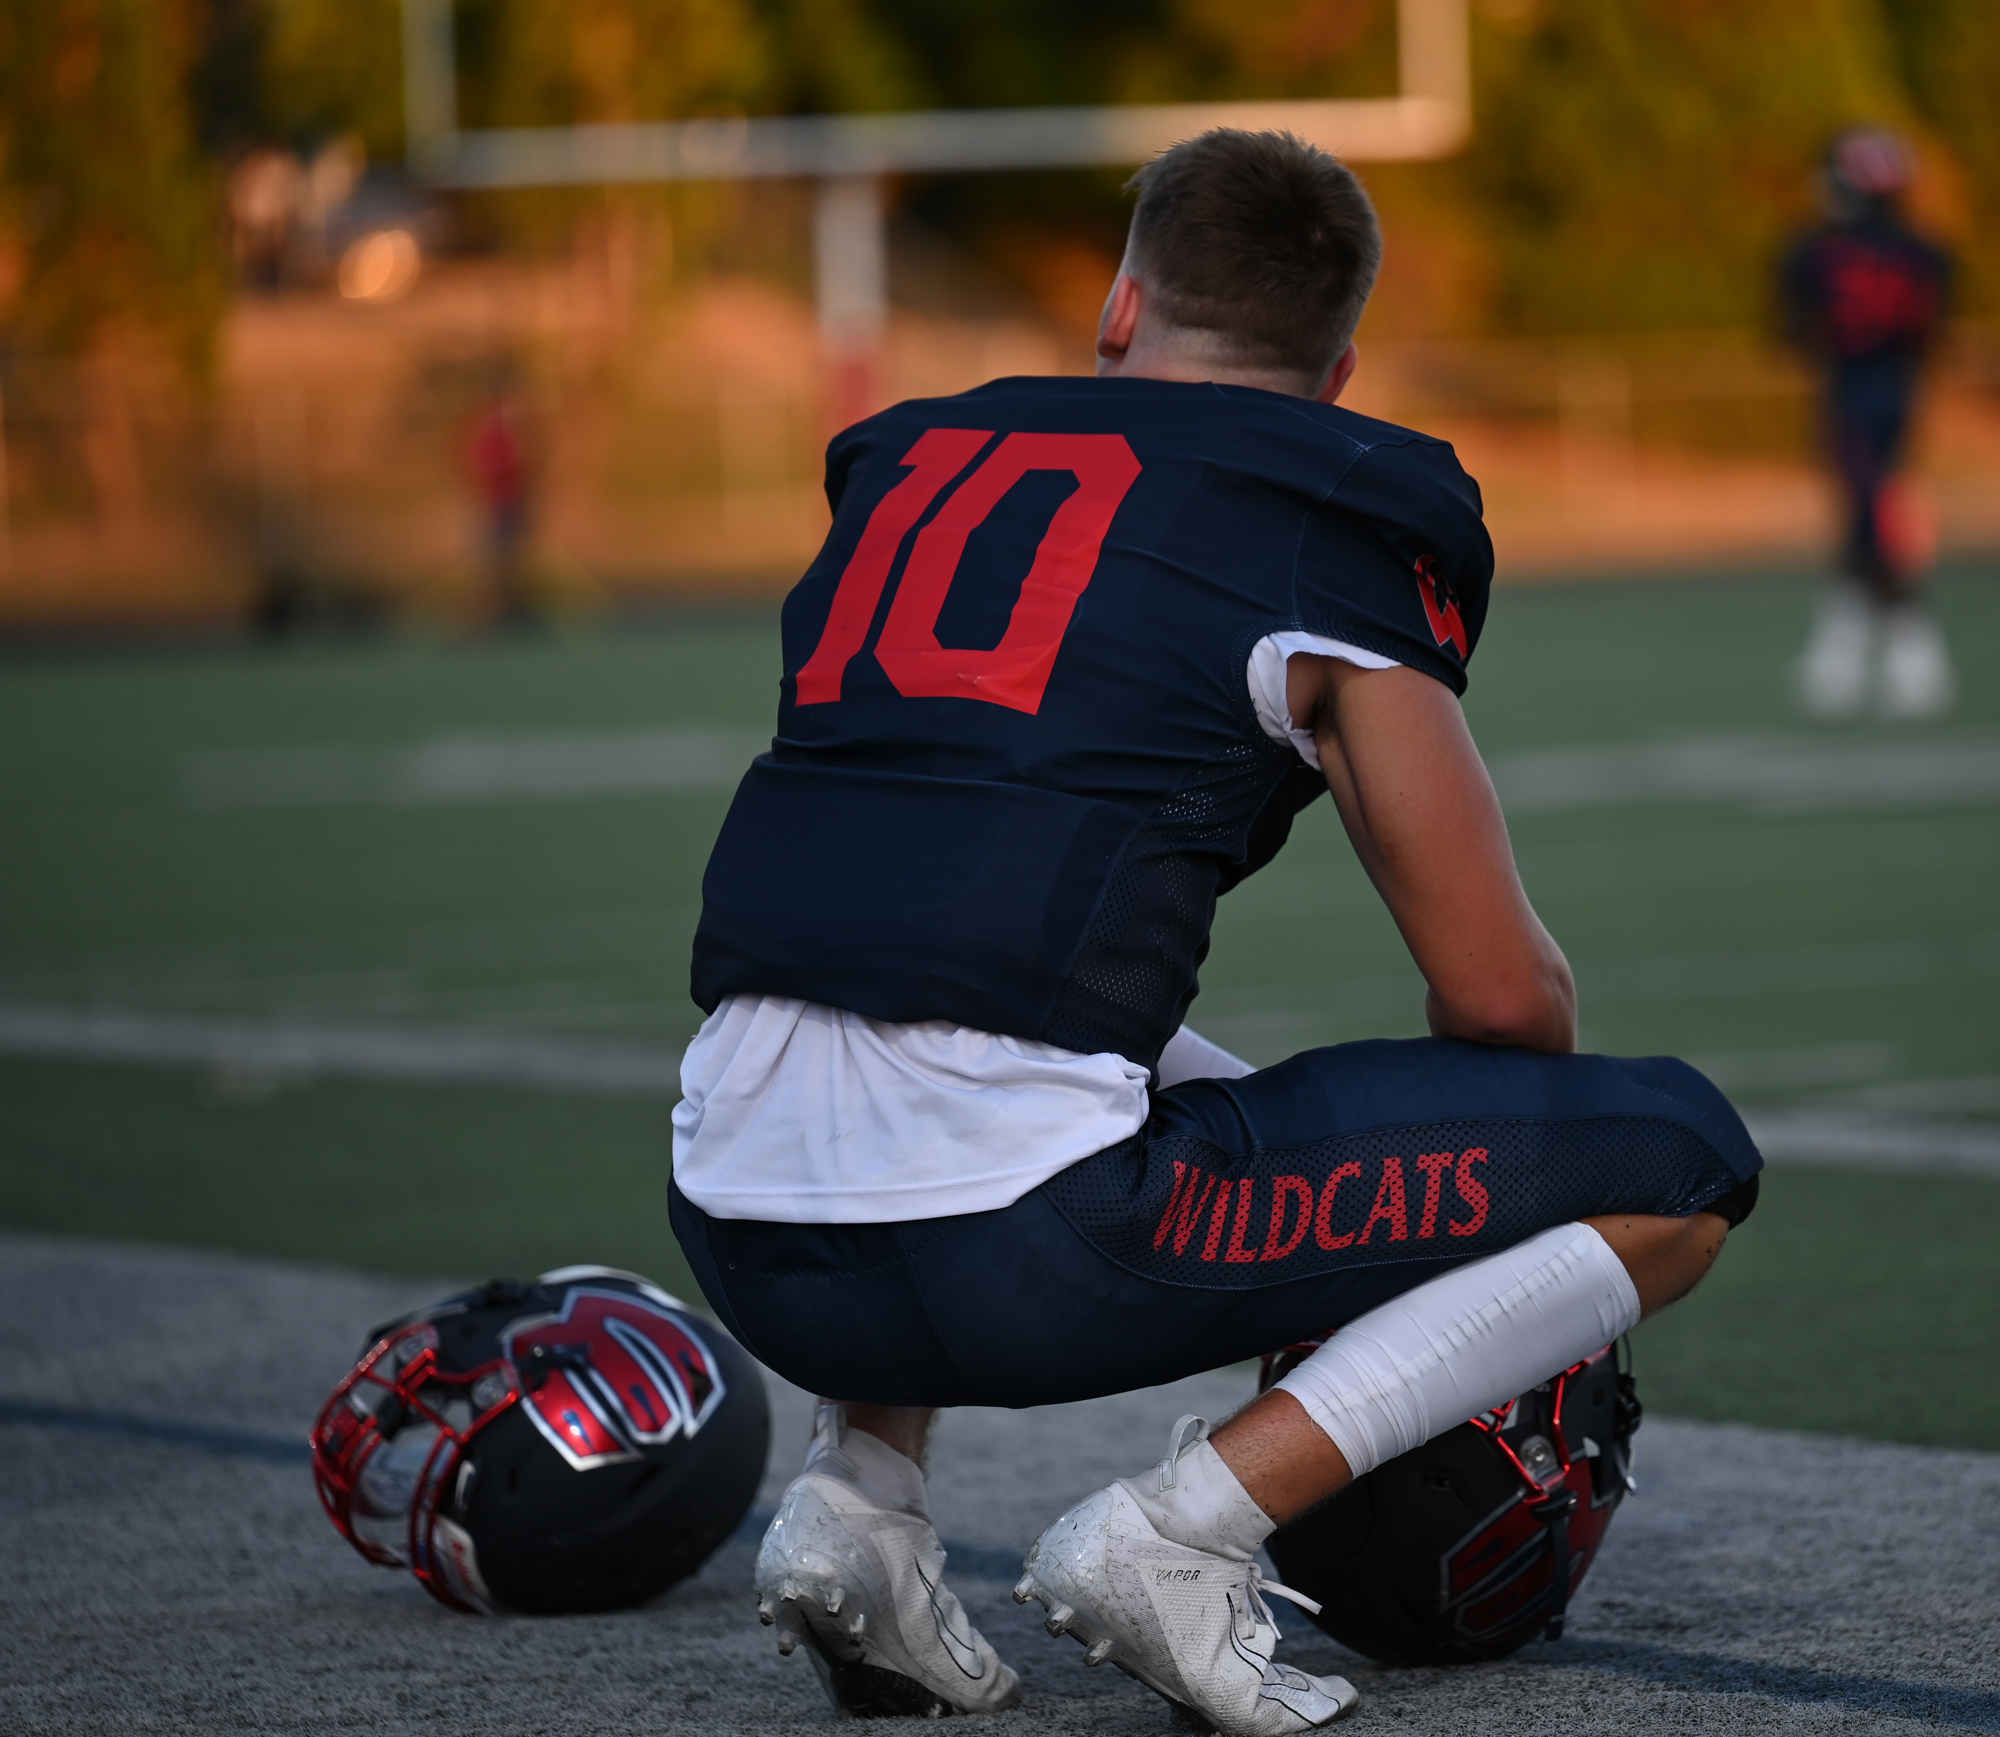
[1247,1214]
[1868,407]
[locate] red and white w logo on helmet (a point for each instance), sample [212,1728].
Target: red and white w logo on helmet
[433,1454]
[610,1375]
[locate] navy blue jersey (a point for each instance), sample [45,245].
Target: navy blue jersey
[1017,759]
[1857,292]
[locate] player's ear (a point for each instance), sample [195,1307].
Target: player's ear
[1336,382]
[1120,319]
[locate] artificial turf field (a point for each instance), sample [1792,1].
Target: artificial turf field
[1820,932]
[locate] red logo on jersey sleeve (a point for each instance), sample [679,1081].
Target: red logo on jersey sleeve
[1441,607]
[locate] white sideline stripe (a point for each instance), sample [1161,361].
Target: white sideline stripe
[1770,774]
[475,768]
[1259,1017]
[1962,1095]
[1863,1142]
[1823,1064]
[1784,970]
[1783,774]
[411,1054]
[432,1055]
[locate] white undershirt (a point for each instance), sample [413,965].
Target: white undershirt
[796,1113]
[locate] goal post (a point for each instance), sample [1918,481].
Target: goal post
[847,155]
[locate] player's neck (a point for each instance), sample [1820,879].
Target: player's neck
[1135,343]
[1192,363]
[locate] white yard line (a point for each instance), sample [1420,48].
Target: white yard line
[1762,1072]
[1791,774]
[1771,774]
[427,1055]
[1858,1140]
[1862,1139]
[1269,1019]
[468,767]
[1702,974]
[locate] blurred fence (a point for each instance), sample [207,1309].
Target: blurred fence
[674,447]
[1613,453]
[1730,393]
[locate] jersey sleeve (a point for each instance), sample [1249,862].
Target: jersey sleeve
[1397,560]
[843,452]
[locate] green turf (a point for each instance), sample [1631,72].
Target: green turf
[567,914]
[1848,939]
[1864,1305]
[457,1183]
[1305,954]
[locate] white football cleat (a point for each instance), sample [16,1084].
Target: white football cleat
[1190,1624]
[1917,680]
[1833,670]
[851,1566]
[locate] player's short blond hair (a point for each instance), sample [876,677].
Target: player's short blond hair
[1261,238]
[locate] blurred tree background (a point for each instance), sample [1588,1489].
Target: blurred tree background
[1635,165]
[107,204]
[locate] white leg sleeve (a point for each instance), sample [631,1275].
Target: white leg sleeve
[1464,1343]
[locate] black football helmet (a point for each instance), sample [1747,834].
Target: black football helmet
[576,1443]
[1473,1544]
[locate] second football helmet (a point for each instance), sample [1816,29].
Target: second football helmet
[1473,1544]
[576,1443]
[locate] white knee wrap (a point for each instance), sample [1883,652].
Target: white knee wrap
[1463,1343]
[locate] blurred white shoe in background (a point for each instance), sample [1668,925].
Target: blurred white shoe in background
[1833,670]
[1917,679]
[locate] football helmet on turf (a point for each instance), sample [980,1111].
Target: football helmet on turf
[1473,1544]
[576,1443]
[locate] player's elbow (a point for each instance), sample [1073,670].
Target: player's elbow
[1530,1009]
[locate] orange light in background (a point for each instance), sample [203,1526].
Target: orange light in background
[380,267]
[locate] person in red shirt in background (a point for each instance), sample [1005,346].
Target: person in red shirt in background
[498,464]
[1864,296]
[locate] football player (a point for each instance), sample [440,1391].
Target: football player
[1863,297]
[1074,655]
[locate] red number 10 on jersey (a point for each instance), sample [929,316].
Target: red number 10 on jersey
[1015,672]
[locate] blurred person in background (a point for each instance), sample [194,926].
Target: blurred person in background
[498,463]
[1863,298]
[265,190]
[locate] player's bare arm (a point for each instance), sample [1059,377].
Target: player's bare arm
[1425,822]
